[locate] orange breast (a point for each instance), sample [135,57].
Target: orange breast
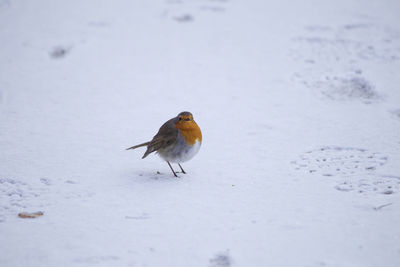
[190,131]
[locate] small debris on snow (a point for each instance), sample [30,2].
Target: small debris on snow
[382,206]
[30,215]
[184,18]
[221,260]
[59,52]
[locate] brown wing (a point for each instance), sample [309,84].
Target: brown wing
[165,136]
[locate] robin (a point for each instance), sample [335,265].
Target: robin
[178,140]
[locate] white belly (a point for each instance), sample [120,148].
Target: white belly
[180,152]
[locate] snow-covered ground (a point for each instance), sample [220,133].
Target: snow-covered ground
[298,101]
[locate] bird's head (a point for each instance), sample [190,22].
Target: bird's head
[188,127]
[185,118]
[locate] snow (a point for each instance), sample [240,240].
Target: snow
[298,102]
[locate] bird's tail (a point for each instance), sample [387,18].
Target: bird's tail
[144,144]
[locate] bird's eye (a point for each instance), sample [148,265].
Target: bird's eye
[187,119]
[180,118]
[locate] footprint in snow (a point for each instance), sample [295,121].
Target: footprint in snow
[334,161]
[323,48]
[353,169]
[370,184]
[347,88]
[221,260]
[17,196]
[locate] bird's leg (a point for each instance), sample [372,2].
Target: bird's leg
[181,168]
[172,169]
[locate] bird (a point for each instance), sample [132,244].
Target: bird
[178,140]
